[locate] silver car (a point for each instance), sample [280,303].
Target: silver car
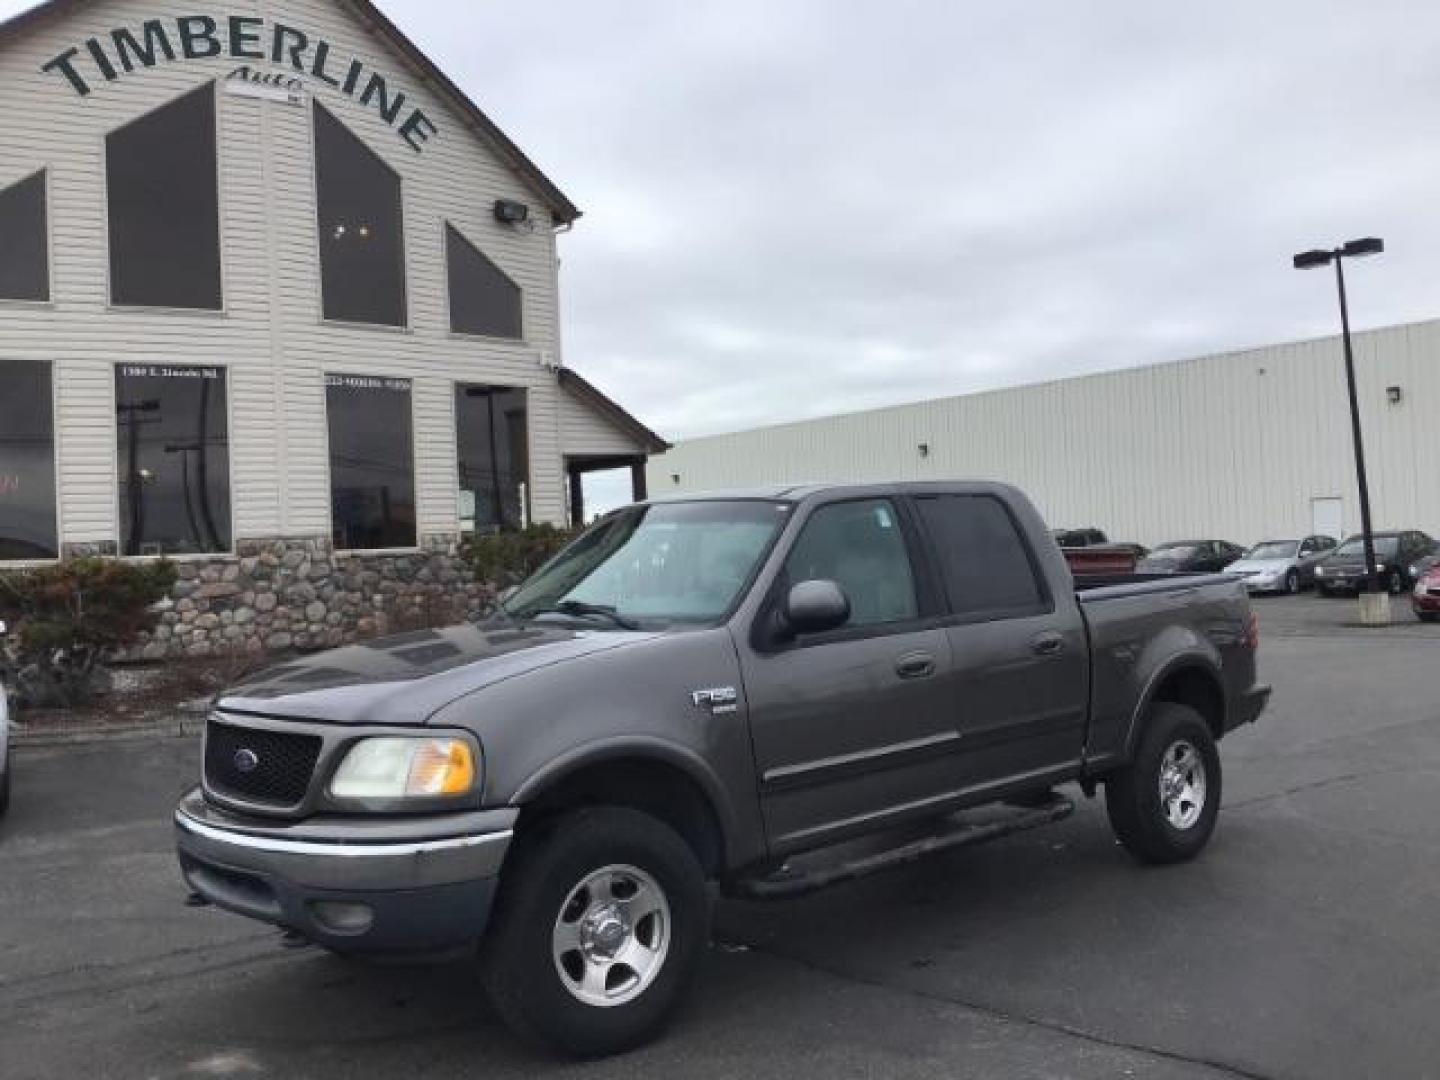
[1283,566]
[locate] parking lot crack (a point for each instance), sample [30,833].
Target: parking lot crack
[1004,1016]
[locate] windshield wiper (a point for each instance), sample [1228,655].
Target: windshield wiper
[580,609]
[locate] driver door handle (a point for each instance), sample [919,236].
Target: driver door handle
[916,665]
[1050,644]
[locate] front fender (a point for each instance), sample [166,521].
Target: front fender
[634,748]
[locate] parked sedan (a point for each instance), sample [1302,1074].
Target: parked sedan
[1190,557]
[1282,565]
[1397,559]
[1425,598]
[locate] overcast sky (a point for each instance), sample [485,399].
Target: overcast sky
[798,207]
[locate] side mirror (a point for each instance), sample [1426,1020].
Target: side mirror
[814,607]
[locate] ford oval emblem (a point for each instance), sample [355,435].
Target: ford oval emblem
[246,761]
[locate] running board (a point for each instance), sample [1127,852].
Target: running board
[795,879]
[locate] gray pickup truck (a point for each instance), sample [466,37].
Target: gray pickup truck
[769,691]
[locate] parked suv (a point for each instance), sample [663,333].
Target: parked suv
[1397,558]
[726,689]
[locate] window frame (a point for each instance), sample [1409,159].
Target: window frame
[929,603]
[447,224]
[319,277]
[49,302]
[231,552]
[361,553]
[23,564]
[221,312]
[1047,605]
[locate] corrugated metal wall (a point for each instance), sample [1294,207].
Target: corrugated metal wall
[270,336]
[1234,446]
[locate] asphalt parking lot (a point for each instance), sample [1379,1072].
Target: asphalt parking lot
[1305,943]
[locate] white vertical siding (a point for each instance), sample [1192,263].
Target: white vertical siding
[1232,446]
[270,336]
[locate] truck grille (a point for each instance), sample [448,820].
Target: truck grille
[271,767]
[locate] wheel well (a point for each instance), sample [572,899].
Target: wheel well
[1198,690]
[651,787]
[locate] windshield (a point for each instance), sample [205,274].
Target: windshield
[656,565]
[1384,545]
[1273,549]
[1173,552]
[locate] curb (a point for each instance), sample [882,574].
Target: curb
[174,728]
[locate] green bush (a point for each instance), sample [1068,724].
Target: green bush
[66,620]
[506,558]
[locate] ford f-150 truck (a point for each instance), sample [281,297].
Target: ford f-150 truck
[769,691]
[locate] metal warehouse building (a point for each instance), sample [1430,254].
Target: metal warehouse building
[1241,446]
[277,300]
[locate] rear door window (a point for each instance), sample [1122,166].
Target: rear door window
[988,569]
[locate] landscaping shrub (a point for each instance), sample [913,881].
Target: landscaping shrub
[67,619]
[507,558]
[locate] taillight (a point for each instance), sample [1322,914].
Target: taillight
[1252,631]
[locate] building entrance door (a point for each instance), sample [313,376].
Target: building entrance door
[1327,517]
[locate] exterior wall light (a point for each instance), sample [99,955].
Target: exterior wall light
[511,212]
[1394,394]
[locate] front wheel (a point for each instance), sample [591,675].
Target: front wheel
[1164,804]
[597,930]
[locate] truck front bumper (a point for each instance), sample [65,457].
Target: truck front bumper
[357,885]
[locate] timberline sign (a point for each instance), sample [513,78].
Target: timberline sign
[250,40]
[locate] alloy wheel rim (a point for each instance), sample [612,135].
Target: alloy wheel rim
[1182,785]
[611,936]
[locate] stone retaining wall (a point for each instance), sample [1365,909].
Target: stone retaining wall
[274,595]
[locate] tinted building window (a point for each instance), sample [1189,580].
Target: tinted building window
[27,462]
[372,462]
[173,435]
[483,300]
[982,555]
[861,547]
[362,230]
[491,436]
[165,208]
[24,245]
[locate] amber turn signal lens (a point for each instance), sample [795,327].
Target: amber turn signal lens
[441,767]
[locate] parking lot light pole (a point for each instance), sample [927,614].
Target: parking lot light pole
[1309,260]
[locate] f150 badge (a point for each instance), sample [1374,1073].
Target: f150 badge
[720,700]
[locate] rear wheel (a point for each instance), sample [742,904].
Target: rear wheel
[4,785]
[1164,804]
[1428,616]
[597,931]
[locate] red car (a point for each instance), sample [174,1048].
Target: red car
[1426,597]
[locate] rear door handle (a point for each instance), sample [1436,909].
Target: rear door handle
[918,665]
[1051,644]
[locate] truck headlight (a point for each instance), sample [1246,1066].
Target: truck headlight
[400,768]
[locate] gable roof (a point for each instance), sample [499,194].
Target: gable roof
[562,210]
[607,407]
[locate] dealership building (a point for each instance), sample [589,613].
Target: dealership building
[277,301]
[1243,446]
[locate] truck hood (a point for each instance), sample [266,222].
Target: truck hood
[406,679]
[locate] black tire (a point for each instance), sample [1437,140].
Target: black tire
[1423,616]
[5,785]
[520,969]
[1133,799]
[1292,583]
